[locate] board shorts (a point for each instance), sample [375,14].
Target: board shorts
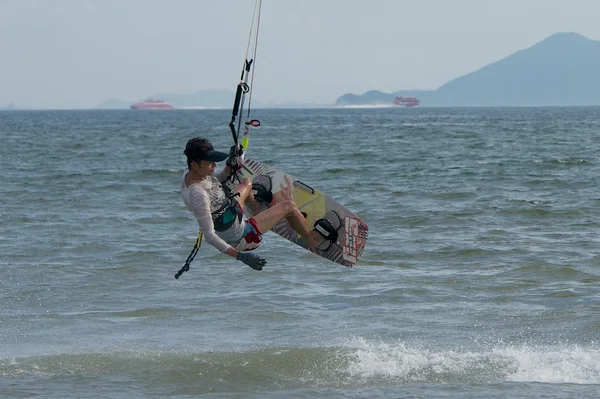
[251,237]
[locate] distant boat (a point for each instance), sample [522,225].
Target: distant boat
[152,103]
[407,101]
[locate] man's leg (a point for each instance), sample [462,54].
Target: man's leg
[287,209]
[244,189]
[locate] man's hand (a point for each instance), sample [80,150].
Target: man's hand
[251,259]
[234,154]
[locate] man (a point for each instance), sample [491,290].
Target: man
[219,210]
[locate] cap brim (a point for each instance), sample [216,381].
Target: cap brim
[216,156]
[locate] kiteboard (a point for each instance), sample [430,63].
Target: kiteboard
[347,232]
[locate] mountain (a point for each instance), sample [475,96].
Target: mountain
[375,97]
[205,99]
[199,99]
[562,69]
[202,98]
[114,103]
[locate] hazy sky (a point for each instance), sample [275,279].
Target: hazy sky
[78,53]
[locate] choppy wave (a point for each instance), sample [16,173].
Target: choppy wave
[563,363]
[359,363]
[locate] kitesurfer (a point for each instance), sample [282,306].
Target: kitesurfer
[219,209]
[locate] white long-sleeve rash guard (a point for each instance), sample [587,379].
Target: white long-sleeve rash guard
[202,199]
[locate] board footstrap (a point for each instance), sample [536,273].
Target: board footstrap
[326,229]
[262,194]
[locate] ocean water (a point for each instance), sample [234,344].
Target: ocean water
[481,277]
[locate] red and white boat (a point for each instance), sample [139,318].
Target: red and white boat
[407,101]
[152,103]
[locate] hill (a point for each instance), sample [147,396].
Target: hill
[199,99]
[205,99]
[560,70]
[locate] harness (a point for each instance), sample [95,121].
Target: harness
[229,212]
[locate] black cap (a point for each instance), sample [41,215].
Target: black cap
[199,149]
